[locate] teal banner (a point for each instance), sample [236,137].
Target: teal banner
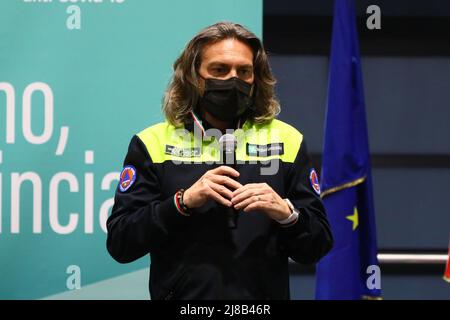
[77,80]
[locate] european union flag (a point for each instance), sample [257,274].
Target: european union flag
[350,270]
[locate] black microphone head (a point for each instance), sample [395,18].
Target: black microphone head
[228,145]
[228,142]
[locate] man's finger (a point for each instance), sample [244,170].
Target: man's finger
[218,198]
[259,205]
[245,195]
[225,170]
[220,189]
[246,187]
[225,180]
[249,200]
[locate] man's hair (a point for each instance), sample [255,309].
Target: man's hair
[183,91]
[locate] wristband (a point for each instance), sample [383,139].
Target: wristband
[179,204]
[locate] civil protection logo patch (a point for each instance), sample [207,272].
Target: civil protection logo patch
[127,178]
[314,179]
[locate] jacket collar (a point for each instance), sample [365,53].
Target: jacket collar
[196,123]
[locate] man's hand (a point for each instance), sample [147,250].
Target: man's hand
[214,184]
[260,196]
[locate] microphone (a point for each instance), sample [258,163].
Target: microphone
[228,146]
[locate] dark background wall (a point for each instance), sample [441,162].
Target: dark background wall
[406,70]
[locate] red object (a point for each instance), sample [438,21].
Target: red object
[447,269]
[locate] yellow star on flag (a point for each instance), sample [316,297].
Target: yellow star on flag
[354,218]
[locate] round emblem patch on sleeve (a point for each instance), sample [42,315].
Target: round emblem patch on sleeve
[314,179]
[127,178]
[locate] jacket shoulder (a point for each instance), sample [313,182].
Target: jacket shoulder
[291,137]
[155,129]
[286,129]
[155,137]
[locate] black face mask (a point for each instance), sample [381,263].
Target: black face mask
[228,99]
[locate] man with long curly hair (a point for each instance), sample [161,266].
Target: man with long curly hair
[219,229]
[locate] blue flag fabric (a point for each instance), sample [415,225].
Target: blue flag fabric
[350,270]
